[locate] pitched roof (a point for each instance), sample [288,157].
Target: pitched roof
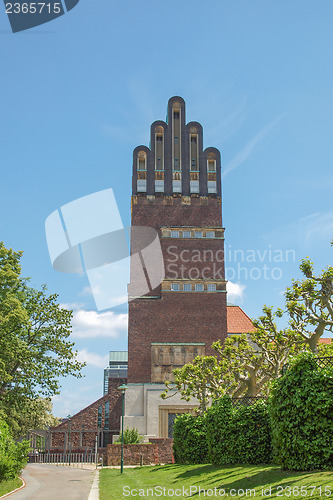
[325,341]
[238,321]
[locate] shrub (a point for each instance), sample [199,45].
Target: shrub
[13,456]
[131,436]
[239,435]
[190,439]
[302,415]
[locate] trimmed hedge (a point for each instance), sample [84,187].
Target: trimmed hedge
[302,416]
[239,435]
[189,439]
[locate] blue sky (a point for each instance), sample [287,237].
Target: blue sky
[79,94]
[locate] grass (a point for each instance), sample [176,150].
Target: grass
[208,477]
[9,485]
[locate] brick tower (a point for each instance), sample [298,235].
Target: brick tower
[177,191]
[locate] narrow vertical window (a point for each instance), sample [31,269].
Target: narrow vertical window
[194,151]
[159,148]
[99,417]
[106,417]
[142,172]
[176,134]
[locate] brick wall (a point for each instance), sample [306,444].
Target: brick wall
[158,451]
[157,211]
[83,425]
[177,316]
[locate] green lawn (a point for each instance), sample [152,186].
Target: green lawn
[7,486]
[178,479]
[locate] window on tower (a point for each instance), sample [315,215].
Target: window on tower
[211,165]
[142,161]
[174,234]
[187,287]
[141,185]
[211,186]
[199,287]
[186,234]
[99,417]
[159,186]
[211,287]
[175,287]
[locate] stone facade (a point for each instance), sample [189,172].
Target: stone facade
[149,413]
[166,357]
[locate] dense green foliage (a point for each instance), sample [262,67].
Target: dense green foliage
[13,456]
[35,349]
[190,439]
[131,436]
[238,435]
[302,416]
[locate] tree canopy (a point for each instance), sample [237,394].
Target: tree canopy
[247,363]
[310,304]
[35,349]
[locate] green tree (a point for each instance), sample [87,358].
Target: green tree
[13,456]
[245,365]
[310,304]
[301,409]
[256,358]
[131,436]
[26,414]
[325,350]
[34,338]
[205,378]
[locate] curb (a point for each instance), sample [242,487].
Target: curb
[94,492]
[17,489]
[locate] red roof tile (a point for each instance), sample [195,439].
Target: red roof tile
[325,341]
[238,321]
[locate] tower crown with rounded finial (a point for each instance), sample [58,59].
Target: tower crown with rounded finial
[176,162]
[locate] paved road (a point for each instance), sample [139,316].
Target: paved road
[54,482]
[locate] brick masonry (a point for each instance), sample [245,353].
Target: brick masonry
[157,451]
[84,426]
[176,317]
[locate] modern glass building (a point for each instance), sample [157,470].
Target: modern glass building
[118,361]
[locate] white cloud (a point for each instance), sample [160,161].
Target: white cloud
[244,153]
[310,232]
[91,324]
[318,226]
[92,358]
[72,400]
[235,291]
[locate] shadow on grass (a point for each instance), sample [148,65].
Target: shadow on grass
[264,479]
